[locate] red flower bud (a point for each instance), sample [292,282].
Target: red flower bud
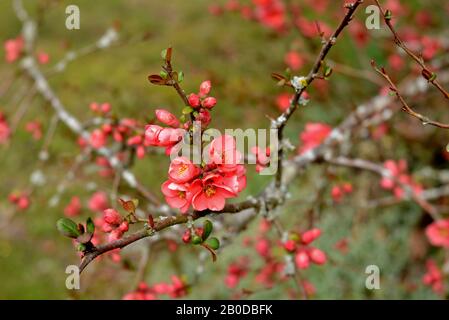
[187,236]
[205,88]
[317,256]
[209,102]
[310,235]
[111,216]
[194,100]
[302,260]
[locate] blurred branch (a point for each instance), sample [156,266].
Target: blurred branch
[282,120]
[426,72]
[425,120]
[28,64]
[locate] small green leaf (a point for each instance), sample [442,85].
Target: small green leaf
[388,15]
[67,228]
[164,54]
[207,229]
[180,76]
[81,247]
[90,226]
[163,74]
[213,243]
[187,110]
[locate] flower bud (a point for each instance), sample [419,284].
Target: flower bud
[205,88]
[167,118]
[317,256]
[111,216]
[302,260]
[194,100]
[209,102]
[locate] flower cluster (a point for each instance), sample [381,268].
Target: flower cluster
[434,277]
[5,130]
[202,99]
[20,199]
[208,186]
[236,271]
[399,176]
[438,233]
[313,135]
[176,289]
[113,223]
[13,49]
[339,191]
[304,253]
[35,128]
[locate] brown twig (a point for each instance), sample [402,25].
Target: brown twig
[426,72]
[425,120]
[282,120]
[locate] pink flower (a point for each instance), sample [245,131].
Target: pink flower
[294,60]
[98,202]
[112,217]
[223,153]
[182,170]
[210,193]
[283,101]
[5,130]
[434,277]
[43,58]
[313,135]
[205,88]
[13,49]
[263,247]
[35,128]
[167,118]
[97,139]
[177,195]
[438,233]
[399,176]
[194,100]
[73,208]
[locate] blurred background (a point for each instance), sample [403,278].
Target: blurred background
[225,43]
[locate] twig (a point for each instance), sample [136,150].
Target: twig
[282,120]
[428,74]
[425,120]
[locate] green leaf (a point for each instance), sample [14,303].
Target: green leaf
[68,228]
[163,74]
[164,54]
[180,76]
[187,110]
[90,226]
[213,243]
[207,229]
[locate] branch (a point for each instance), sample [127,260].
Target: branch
[428,74]
[282,120]
[425,120]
